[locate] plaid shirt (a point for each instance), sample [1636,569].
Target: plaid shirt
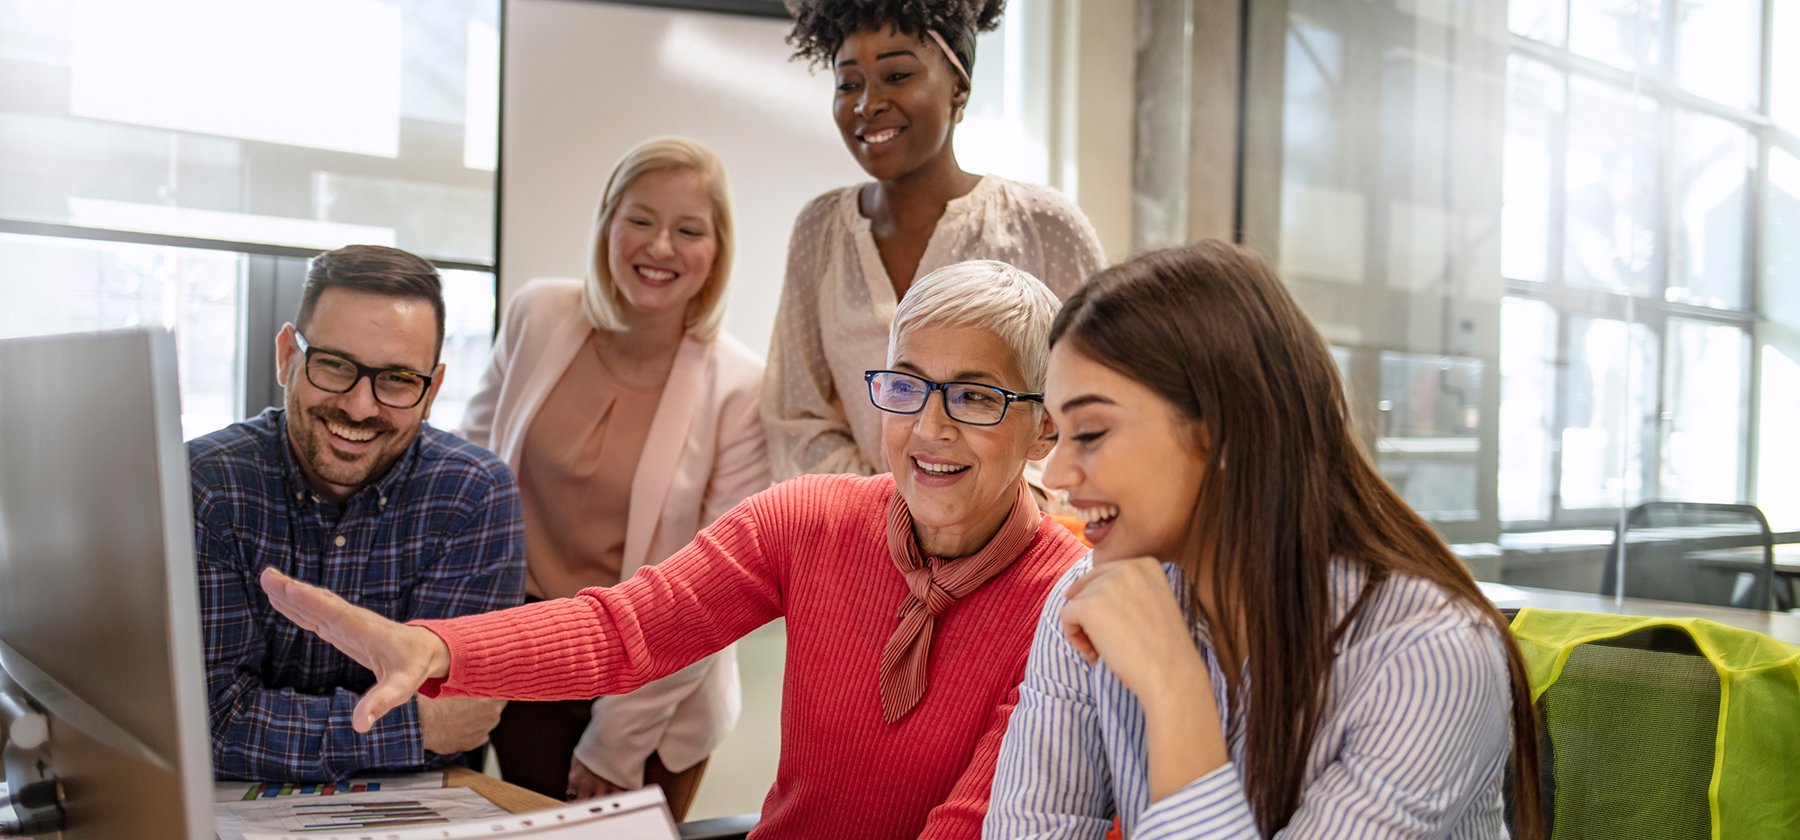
[439,535]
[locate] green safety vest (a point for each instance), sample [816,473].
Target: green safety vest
[1664,727]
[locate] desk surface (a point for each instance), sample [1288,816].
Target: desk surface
[512,798]
[1783,626]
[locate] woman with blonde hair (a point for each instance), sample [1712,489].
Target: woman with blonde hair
[631,421]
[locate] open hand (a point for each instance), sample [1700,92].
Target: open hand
[401,657]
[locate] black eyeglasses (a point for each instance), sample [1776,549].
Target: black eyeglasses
[394,387]
[965,402]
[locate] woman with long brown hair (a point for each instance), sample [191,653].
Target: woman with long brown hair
[1266,640]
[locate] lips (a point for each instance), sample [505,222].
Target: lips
[655,276]
[932,472]
[880,136]
[1099,519]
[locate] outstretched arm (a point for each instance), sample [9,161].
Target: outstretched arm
[401,657]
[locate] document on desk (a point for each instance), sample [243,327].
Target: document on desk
[351,813]
[632,815]
[246,791]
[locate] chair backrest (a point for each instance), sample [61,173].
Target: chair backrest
[1663,728]
[1700,553]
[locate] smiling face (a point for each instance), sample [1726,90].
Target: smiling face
[344,441]
[661,243]
[897,102]
[959,481]
[1131,464]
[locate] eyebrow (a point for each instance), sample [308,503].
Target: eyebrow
[679,217]
[342,355]
[959,376]
[889,54]
[1084,399]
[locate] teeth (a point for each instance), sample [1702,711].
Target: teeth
[1097,514]
[881,136]
[348,433]
[656,274]
[939,469]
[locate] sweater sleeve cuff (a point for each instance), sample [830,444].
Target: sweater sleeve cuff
[1213,805]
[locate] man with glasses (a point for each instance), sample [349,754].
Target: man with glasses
[344,486]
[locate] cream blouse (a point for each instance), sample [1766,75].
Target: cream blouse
[837,302]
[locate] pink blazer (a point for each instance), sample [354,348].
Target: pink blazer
[704,454]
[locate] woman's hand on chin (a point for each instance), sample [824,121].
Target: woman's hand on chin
[1124,614]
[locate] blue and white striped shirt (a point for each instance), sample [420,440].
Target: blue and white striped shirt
[1412,741]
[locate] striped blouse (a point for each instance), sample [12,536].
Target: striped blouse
[1412,741]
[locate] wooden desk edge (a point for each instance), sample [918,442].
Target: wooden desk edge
[510,797]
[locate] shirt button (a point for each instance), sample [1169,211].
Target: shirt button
[381,502]
[341,541]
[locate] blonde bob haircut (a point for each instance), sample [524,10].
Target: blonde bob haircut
[987,295]
[600,299]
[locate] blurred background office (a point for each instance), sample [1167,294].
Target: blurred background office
[1555,244]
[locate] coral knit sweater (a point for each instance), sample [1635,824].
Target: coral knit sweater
[813,549]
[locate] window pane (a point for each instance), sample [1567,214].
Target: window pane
[1429,432]
[114,114]
[1704,389]
[1533,109]
[1527,405]
[1719,42]
[54,285]
[1539,20]
[1713,159]
[1626,34]
[1610,404]
[468,339]
[1784,69]
[1610,177]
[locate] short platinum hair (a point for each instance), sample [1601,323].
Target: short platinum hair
[984,294]
[600,299]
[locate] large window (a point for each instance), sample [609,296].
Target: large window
[175,164]
[1554,245]
[1628,239]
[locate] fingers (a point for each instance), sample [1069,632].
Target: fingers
[387,695]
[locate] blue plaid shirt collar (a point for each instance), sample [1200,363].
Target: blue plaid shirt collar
[377,492]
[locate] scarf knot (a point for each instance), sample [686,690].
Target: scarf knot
[933,587]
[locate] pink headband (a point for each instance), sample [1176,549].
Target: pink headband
[951,54]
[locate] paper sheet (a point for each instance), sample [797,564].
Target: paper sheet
[245,791]
[632,815]
[1502,595]
[315,816]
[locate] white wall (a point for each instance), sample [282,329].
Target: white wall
[585,81]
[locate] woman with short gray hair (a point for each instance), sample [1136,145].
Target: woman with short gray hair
[909,598]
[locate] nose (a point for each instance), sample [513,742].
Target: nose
[934,423]
[663,244]
[359,402]
[871,102]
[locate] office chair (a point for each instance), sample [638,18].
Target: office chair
[719,828]
[1662,728]
[1699,553]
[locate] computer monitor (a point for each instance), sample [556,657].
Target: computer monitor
[99,612]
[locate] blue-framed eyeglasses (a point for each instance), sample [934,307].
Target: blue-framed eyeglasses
[965,402]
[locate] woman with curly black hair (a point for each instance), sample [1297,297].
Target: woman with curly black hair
[902,71]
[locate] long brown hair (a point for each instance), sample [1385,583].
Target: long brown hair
[1288,487]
